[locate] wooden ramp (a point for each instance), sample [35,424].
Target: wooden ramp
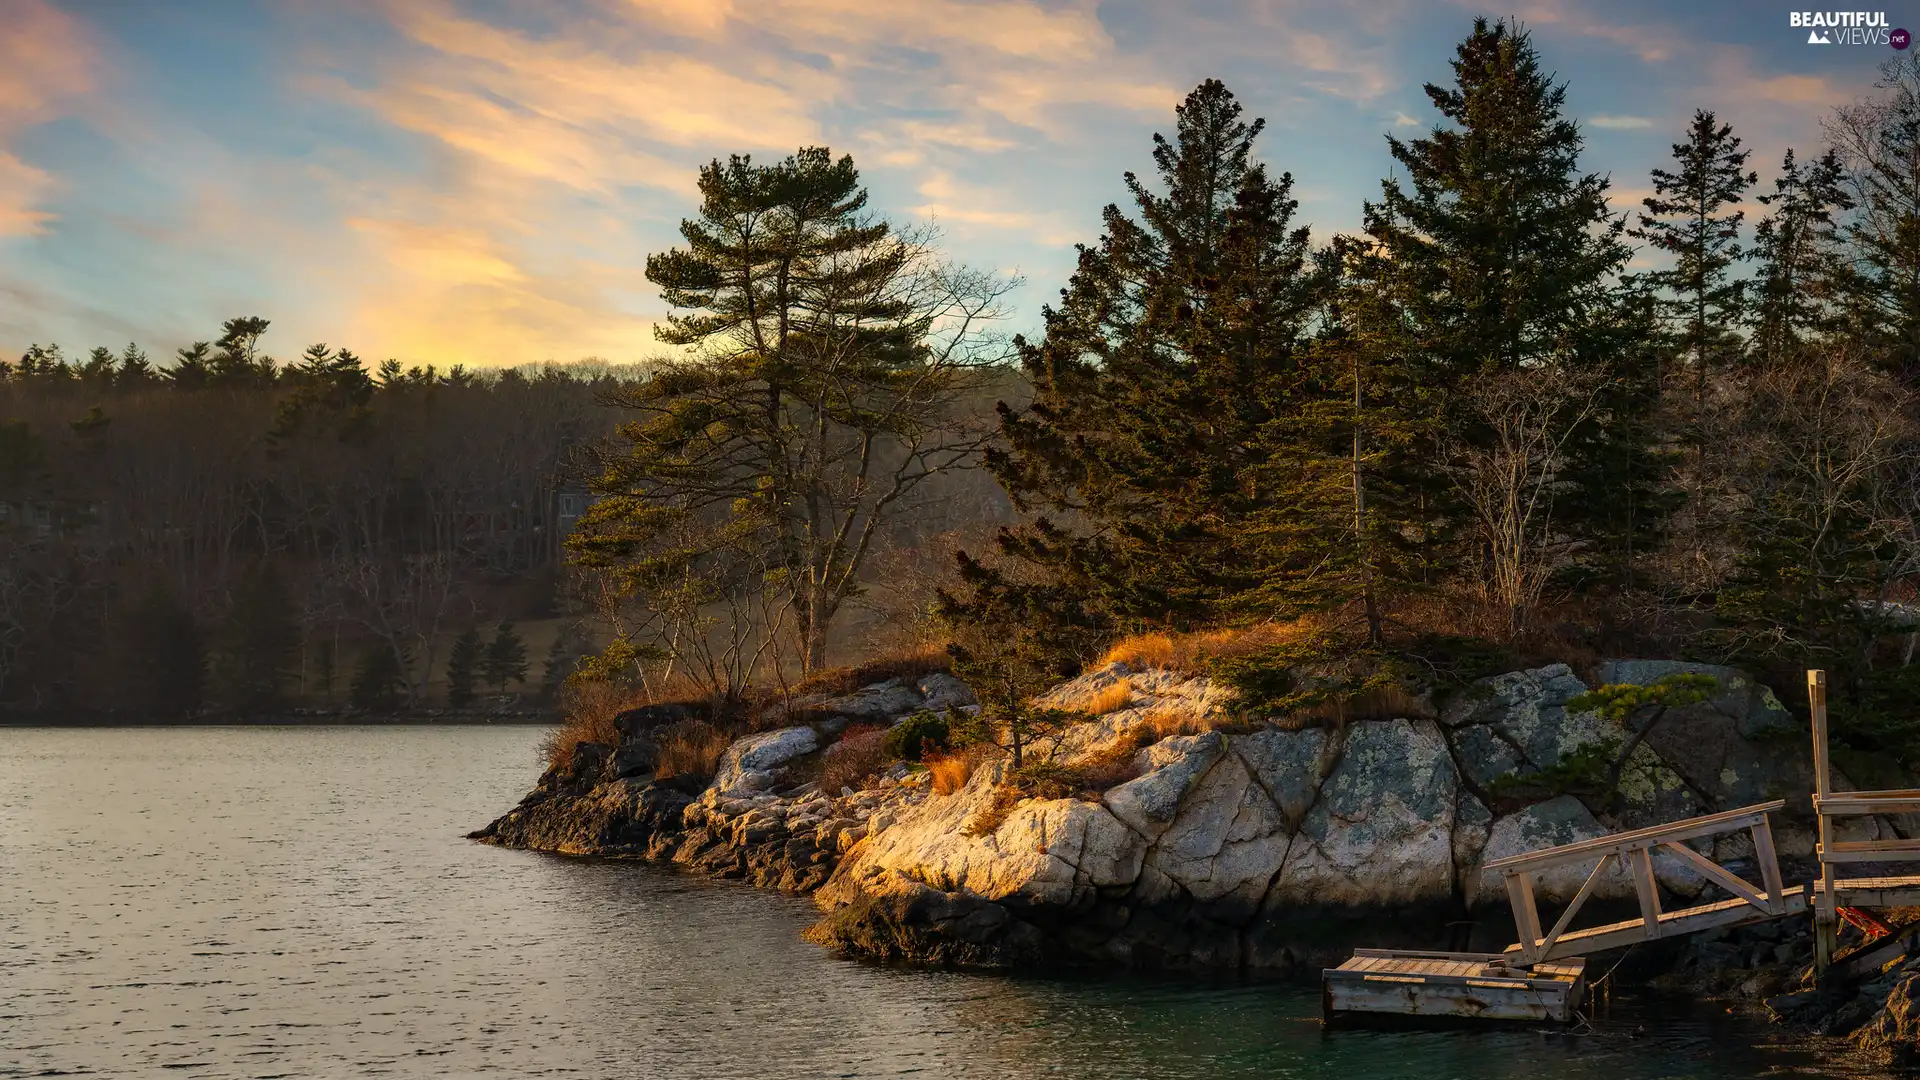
[1479,986]
[1770,899]
[1541,977]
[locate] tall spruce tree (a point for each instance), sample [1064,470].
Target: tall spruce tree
[1693,217]
[1174,346]
[1802,270]
[1505,257]
[1878,141]
[463,666]
[506,659]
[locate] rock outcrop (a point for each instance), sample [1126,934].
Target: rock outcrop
[1245,845]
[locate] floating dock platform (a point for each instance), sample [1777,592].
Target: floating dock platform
[1439,985]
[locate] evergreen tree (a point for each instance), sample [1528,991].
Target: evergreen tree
[98,370]
[463,666]
[506,659]
[1175,345]
[1878,141]
[1802,272]
[379,680]
[259,644]
[1505,257]
[825,354]
[560,662]
[1693,217]
[136,371]
[192,366]
[165,658]
[239,360]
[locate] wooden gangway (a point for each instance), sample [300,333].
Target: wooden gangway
[1634,851]
[1837,897]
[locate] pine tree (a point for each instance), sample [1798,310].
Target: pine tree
[98,370]
[165,657]
[239,361]
[506,659]
[1878,141]
[259,644]
[560,662]
[191,366]
[824,354]
[379,680]
[1802,272]
[463,666]
[1175,344]
[136,371]
[1693,217]
[1505,257]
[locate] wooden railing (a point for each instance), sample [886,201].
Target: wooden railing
[1835,893]
[1634,851]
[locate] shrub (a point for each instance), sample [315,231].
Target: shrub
[590,710]
[1192,653]
[951,771]
[689,748]
[1110,699]
[1087,779]
[919,734]
[860,753]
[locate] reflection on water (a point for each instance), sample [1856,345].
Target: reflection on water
[298,902]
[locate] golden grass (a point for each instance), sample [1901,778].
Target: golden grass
[689,748]
[1111,699]
[1391,702]
[590,711]
[950,771]
[1189,653]
[1162,721]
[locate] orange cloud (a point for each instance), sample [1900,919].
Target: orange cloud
[45,61]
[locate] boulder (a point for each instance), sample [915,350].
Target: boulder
[758,762]
[1381,831]
[942,691]
[880,702]
[640,723]
[1892,1035]
[1171,769]
[1557,821]
[1739,748]
[1525,717]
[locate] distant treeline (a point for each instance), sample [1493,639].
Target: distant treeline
[224,530]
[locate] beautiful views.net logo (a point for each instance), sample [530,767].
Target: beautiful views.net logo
[1848,28]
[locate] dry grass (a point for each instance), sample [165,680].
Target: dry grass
[590,711]
[1189,653]
[1392,702]
[1112,699]
[689,748]
[1162,721]
[858,755]
[908,666]
[950,771]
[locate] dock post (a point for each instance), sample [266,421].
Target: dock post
[1826,908]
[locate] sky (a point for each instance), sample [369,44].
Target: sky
[480,181]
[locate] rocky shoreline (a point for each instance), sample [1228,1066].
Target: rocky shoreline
[1239,846]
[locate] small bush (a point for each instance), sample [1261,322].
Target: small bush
[1086,779]
[1111,699]
[1192,653]
[590,710]
[1163,721]
[689,748]
[918,735]
[860,753]
[951,771]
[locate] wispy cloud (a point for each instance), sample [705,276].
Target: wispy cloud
[1620,123]
[45,62]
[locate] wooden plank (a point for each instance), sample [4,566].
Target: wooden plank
[1869,851]
[1345,992]
[1579,898]
[1430,954]
[1725,821]
[1672,923]
[1817,700]
[1720,876]
[1769,860]
[1853,803]
[1640,862]
[1870,893]
[1526,917]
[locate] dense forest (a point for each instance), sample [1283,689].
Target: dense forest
[1480,426]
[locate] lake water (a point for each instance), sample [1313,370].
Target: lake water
[300,902]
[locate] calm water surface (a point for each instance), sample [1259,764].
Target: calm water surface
[299,902]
